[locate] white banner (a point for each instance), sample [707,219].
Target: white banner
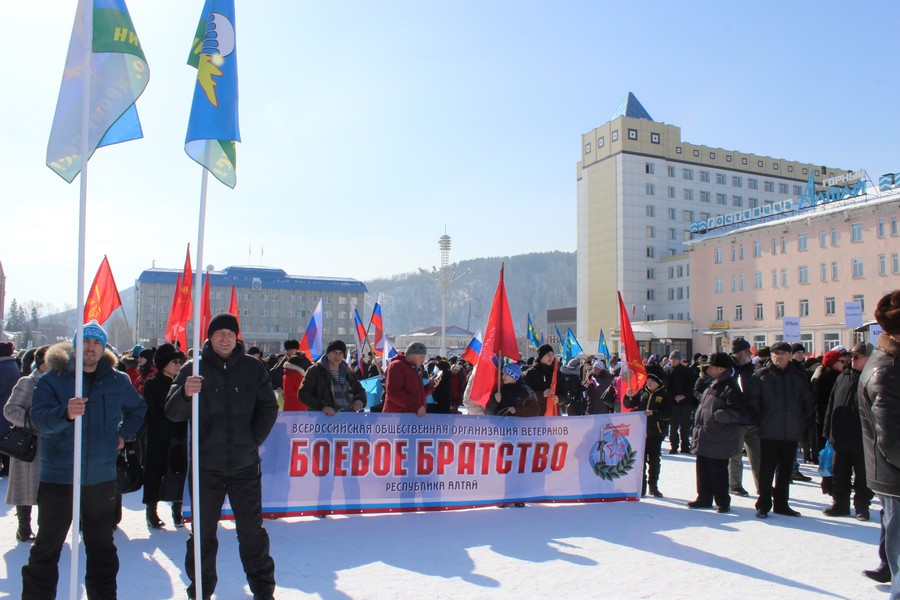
[874,332]
[853,314]
[791,329]
[374,462]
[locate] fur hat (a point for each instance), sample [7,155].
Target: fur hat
[720,359]
[6,349]
[739,345]
[147,353]
[887,312]
[291,345]
[223,321]
[335,345]
[166,354]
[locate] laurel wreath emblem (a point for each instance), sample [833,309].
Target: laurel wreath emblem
[620,469]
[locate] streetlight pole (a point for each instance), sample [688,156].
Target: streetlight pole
[444,278]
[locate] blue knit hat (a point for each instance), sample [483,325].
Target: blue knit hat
[93,331]
[513,370]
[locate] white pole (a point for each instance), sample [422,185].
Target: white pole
[88,27]
[195,405]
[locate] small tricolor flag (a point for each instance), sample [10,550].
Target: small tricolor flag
[473,350]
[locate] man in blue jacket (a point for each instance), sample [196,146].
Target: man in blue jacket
[111,412]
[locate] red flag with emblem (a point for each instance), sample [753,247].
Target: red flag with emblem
[634,373]
[103,298]
[233,308]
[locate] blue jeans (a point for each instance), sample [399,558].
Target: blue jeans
[891,506]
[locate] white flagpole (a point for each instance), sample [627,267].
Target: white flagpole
[195,405]
[88,24]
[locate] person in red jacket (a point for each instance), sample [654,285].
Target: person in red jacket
[405,389]
[294,371]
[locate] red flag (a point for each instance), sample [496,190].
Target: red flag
[183,308]
[499,338]
[205,310]
[174,329]
[634,373]
[233,308]
[103,297]
[553,401]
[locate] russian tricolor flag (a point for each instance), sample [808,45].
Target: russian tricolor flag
[311,343]
[378,341]
[473,350]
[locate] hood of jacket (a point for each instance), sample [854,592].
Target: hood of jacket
[61,358]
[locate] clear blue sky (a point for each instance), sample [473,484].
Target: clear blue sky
[368,126]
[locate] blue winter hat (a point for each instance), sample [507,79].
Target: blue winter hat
[136,351]
[92,331]
[513,370]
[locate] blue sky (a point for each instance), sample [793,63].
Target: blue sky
[368,127]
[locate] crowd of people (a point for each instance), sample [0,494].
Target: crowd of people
[774,405]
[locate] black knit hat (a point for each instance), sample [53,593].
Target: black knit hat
[336,345]
[797,347]
[166,354]
[223,321]
[545,349]
[291,345]
[739,345]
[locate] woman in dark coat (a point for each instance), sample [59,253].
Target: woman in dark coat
[166,441]
[716,436]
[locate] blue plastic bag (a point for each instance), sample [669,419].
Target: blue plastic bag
[826,460]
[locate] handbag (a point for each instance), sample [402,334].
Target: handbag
[826,460]
[20,442]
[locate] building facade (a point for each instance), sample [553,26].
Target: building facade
[639,189]
[274,306]
[806,264]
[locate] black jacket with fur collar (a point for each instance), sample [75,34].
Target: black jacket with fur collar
[879,412]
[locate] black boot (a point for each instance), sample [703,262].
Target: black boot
[177,519]
[153,521]
[24,533]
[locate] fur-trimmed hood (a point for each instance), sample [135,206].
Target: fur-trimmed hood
[889,345]
[60,357]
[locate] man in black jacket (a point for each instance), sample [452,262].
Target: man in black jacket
[785,402]
[237,411]
[748,426]
[879,412]
[681,387]
[330,385]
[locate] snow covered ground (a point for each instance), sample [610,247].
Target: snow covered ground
[656,548]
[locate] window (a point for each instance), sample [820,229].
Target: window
[722,199]
[741,251]
[857,268]
[650,210]
[774,278]
[768,186]
[759,312]
[802,242]
[829,306]
[797,189]
[712,156]
[687,216]
[803,275]
[784,277]
[688,194]
[894,225]
[834,271]
[855,232]
[671,191]
[718,255]
[718,285]
[823,239]
[673,234]
[720,179]
[784,245]
[782,188]
[671,293]
[704,197]
[804,308]
[753,184]
[650,252]
[672,214]
[680,271]
[734,283]
[882,264]
[880,228]
[615,135]
[739,313]
[650,296]
[704,176]
[650,168]
[733,253]
[651,273]
[759,341]
[654,138]
[779,310]
[632,134]
[680,293]
[774,247]
[862,301]
[824,272]
[741,284]
[670,171]
[720,313]
[753,202]
[687,174]
[737,181]
[757,280]
[587,148]
[834,236]
[737,201]
[650,189]
[831,339]
[757,249]
[895,263]
[600,142]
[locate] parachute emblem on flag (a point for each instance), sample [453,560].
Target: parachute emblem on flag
[217,43]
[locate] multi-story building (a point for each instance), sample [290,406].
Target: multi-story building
[274,306]
[640,188]
[802,264]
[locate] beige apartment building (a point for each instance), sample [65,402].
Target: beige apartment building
[805,263]
[640,188]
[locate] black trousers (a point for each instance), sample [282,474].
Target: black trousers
[845,465]
[776,463]
[712,481]
[98,507]
[680,426]
[244,490]
[651,462]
